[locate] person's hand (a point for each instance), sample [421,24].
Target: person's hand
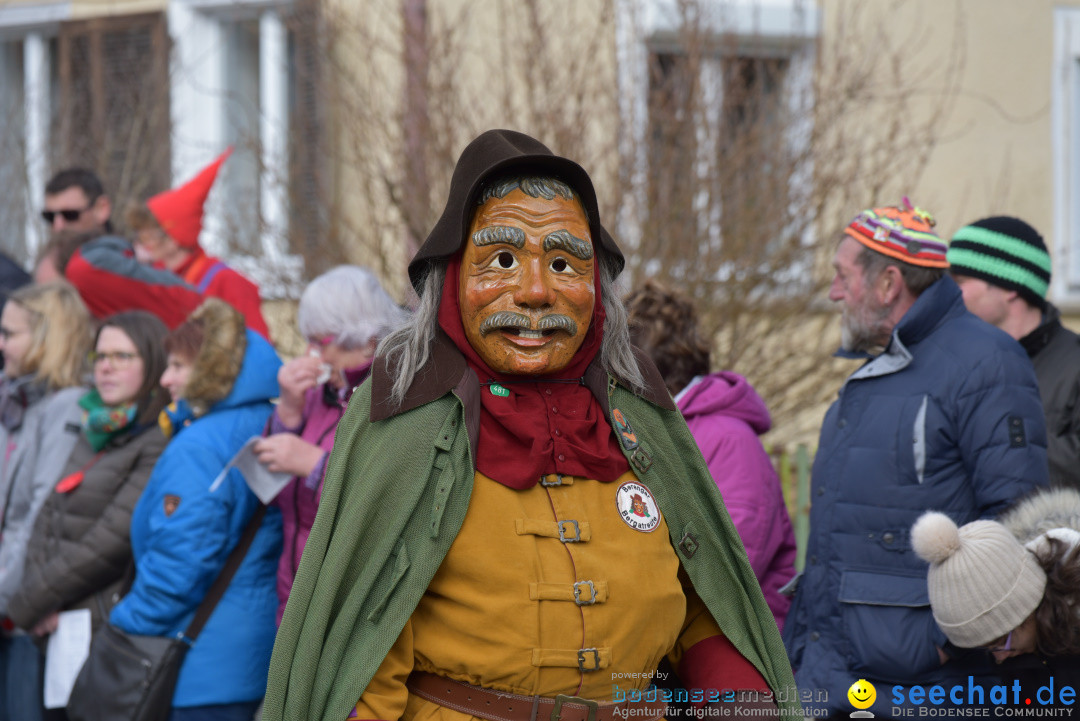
[46,625]
[288,453]
[295,378]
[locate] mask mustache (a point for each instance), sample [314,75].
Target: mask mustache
[510,319]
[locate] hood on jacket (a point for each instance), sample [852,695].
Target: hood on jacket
[498,152]
[234,365]
[725,393]
[1043,510]
[925,316]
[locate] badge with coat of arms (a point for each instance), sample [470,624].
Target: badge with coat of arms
[637,507]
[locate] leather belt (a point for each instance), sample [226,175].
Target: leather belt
[500,706]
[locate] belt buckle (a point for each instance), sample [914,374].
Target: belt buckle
[593,706]
[557,482]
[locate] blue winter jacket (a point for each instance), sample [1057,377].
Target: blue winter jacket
[947,418]
[182,533]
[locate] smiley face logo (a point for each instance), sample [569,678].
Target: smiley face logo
[862,694]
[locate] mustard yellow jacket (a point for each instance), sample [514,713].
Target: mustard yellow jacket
[514,609]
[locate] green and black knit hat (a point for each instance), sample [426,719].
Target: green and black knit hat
[1006,252]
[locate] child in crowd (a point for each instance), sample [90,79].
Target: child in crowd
[1012,586]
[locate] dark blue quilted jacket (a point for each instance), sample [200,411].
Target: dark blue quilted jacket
[947,418]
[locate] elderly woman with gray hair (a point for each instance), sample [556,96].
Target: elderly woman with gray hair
[343,315]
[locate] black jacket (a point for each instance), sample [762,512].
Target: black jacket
[80,547]
[1055,353]
[12,277]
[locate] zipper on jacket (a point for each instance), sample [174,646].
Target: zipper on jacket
[919,441]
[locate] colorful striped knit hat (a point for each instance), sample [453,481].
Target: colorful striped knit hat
[1006,252]
[902,233]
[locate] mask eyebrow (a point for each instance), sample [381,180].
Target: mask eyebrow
[496,234]
[564,240]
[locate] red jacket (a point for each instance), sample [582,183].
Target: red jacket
[110,280]
[211,277]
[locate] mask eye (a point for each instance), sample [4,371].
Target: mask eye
[505,260]
[559,265]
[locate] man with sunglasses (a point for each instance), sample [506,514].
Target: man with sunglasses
[75,203]
[75,199]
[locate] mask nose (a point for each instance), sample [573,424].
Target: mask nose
[534,291]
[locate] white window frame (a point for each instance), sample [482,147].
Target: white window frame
[199,124]
[198,119]
[790,24]
[34,26]
[1065,129]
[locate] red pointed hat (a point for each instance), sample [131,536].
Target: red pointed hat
[179,211]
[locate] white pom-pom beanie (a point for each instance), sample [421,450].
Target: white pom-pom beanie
[982,582]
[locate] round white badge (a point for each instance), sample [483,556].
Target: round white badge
[637,507]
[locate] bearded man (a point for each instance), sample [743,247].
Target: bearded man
[478,551]
[944,415]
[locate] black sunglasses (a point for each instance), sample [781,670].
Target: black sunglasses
[69,215]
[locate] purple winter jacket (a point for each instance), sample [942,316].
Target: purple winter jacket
[299,501]
[726,416]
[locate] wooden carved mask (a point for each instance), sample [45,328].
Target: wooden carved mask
[526,288]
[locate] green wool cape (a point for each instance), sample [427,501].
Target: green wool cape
[395,497]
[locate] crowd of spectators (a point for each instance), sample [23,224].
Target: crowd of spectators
[136,372]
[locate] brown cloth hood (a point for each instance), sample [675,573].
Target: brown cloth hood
[498,152]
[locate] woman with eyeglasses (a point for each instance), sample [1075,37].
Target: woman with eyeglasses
[343,314]
[80,549]
[44,337]
[1011,587]
[194,511]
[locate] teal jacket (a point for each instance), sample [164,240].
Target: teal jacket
[396,492]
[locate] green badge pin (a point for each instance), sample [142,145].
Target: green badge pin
[498,390]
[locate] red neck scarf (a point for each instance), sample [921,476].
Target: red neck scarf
[541,427]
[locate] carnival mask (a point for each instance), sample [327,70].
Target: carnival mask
[526,289]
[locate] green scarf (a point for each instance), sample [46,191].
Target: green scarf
[102,423]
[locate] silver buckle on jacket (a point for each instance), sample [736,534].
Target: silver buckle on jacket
[557,482]
[581,659]
[577,593]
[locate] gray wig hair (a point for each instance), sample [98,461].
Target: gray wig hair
[537,187]
[350,304]
[408,348]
